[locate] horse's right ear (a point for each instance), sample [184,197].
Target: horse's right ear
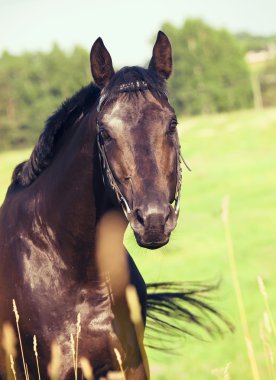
[101,63]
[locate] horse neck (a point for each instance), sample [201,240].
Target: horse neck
[70,194]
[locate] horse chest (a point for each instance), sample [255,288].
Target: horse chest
[50,281]
[56,302]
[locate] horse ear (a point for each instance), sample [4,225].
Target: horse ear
[101,63]
[161,60]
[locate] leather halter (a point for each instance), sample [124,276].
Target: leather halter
[107,171]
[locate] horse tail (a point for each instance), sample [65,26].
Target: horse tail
[176,308]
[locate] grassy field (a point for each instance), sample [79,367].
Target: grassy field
[232,154]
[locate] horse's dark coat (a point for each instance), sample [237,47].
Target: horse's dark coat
[55,223]
[48,237]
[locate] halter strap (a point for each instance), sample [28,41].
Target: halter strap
[109,174]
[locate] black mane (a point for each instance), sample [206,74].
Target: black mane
[77,106]
[68,113]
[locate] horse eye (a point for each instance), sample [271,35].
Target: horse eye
[105,135]
[172,127]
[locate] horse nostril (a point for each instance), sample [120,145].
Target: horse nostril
[140,217]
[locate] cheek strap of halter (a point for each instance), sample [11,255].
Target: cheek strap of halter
[106,171]
[180,159]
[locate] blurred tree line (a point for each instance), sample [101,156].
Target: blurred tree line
[32,86]
[255,43]
[267,83]
[261,51]
[210,75]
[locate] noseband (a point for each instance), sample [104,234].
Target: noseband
[107,171]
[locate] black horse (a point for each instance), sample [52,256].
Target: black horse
[109,155]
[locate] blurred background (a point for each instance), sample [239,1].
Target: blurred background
[224,91]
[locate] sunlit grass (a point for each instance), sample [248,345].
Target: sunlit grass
[8,161]
[25,366]
[237,286]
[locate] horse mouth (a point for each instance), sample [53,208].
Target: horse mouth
[151,244]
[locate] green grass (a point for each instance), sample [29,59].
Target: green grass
[8,161]
[232,154]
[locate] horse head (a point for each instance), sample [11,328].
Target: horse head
[138,141]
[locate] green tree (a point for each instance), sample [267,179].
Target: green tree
[32,86]
[267,79]
[255,43]
[210,73]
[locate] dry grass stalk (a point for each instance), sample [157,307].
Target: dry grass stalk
[267,324]
[12,366]
[54,366]
[222,373]
[27,372]
[75,346]
[114,376]
[9,345]
[120,362]
[235,279]
[133,304]
[36,356]
[264,294]
[77,343]
[226,373]
[86,368]
[72,344]
[268,351]
[20,341]
[9,339]
[136,318]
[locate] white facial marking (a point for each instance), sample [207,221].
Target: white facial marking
[153,209]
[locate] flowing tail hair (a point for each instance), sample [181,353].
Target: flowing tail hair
[177,308]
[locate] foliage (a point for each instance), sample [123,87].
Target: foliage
[267,79]
[255,43]
[32,86]
[210,74]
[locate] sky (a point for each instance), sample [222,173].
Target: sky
[126,26]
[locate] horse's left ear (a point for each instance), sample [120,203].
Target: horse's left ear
[161,60]
[101,63]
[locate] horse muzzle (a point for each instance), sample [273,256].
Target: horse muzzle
[153,224]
